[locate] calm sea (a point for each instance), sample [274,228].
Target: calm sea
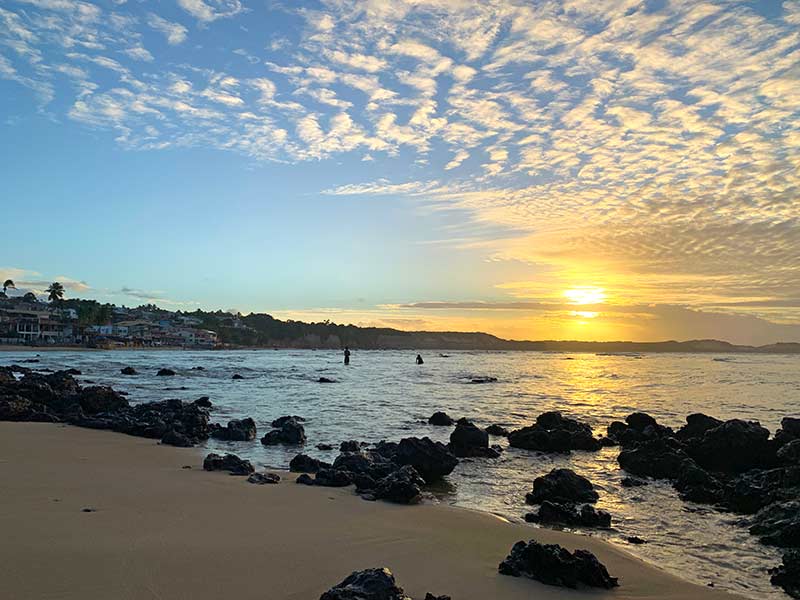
[385,395]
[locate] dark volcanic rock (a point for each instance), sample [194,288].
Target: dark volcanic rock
[561,485]
[469,440]
[203,402]
[237,376]
[230,462]
[305,479]
[302,463]
[350,446]
[174,438]
[789,453]
[568,514]
[637,428]
[165,373]
[325,380]
[734,447]
[483,380]
[753,490]
[778,524]
[333,478]
[554,565]
[237,430]
[660,458]
[497,430]
[554,433]
[279,422]
[787,575]
[696,426]
[440,418]
[432,460]
[401,486]
[290,432]
[371,584]
[128,371]
[264,478]
[324,447]
[697,485]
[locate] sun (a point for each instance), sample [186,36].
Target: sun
[585,295]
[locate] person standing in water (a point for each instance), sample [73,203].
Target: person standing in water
[419,360]
[347,356]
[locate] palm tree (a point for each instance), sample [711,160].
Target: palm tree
[8,284]
[55,292]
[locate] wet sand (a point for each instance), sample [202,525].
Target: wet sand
[163,532]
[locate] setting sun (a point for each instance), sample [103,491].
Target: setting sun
[585,295]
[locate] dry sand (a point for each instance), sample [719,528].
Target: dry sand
[167,533]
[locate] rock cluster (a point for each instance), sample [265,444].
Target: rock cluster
[371,584]
[230,463]
[564,498]
[554,565]
[467,439]
[237,430]
[57,397]
[553,432]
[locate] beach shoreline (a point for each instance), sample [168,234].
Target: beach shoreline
[161,530]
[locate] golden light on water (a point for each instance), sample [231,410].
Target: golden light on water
[585,295]
[585,314]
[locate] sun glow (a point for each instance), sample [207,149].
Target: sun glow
[585,295]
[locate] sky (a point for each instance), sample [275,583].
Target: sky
[575,169]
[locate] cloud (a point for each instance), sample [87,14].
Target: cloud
[174,32]
[212,9]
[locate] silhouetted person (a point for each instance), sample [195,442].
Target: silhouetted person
[419,360]
[347,356]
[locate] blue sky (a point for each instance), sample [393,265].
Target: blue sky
[571,169]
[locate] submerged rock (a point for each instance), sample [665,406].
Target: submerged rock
[165,373]
[497,430]
[128,371]
[237,430]
[441,419]
[567,514]
[562,486]
[432,460]
[280,421]
[237,376]
[554,433]
[554,565]
[370,584]
[230,462]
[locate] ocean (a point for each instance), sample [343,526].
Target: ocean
[384,395]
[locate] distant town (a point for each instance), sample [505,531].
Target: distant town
[53,320]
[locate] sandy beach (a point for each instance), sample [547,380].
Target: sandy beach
[162,531]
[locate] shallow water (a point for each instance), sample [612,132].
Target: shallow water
[384,395]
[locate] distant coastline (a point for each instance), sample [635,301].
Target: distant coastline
[453,343]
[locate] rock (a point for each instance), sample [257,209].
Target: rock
[324,447]
[165,373]
[401,486]
[640,421]
[483,380]
[368,463]
[280,421]
[632,482]
[659,458]
[325,380]
[561,485]
[237,376]
[697,485]
[632,539]
[778,524]
[441,419]
[290,432]
[430,596]
[174,438]
[753,490]
[72,372]
[302,463]
[568,514]
[237,430]
[787,575]
[789,454]
[197,369]
[637,428]
[333,478]
[554,433]
[696,426]
[203,402]
[432,460]
[230,462]
[469,440]
[554,565]
[99,399]
[350,446]
[305,479]
[129,371]
[370,584]
[734,447]
[497,430]
[264,478]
